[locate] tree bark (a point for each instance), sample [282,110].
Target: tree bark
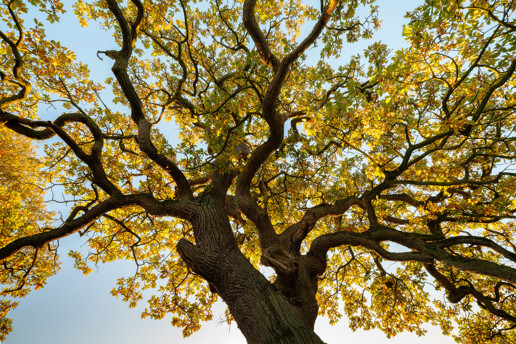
[263,313]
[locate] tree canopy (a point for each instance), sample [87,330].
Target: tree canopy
[371,185]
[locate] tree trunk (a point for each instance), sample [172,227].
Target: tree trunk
[263,313]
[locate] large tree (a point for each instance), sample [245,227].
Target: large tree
[376,183]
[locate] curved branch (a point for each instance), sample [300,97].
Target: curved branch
[24,85]
[137,112]
[297,232]
[146,201]
[257,35]
[426,244]
[455,294]
[26,126]
[93,160]
[473,240]
[500,82]
[316,31]
[322,244]
[422,250]
[274,120]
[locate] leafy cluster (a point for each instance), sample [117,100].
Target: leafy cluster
[22,213]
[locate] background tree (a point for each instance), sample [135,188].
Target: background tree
[287,156]
[22,213]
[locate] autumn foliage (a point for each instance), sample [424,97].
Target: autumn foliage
[233,135]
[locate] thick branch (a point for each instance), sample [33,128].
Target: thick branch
[316,31]
[422,250]
[93,160]
[146,201]
[322,244]
[256,33]
[297,232]
[455,294]
[137,113]
[274,120]
[473,240]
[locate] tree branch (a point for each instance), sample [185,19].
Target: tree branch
[137,113]
[146,201]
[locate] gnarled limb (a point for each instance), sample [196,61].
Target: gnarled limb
[129,35]
[146,201]
[296,233]
[19,81]
[274,120]
[92,160]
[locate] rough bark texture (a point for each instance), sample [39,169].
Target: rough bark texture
[280,312]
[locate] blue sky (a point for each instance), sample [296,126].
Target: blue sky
[74,309]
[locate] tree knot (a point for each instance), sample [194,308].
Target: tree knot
[280,260]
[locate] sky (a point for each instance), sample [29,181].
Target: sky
[74,309]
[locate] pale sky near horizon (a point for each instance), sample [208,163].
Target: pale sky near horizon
[74,309]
